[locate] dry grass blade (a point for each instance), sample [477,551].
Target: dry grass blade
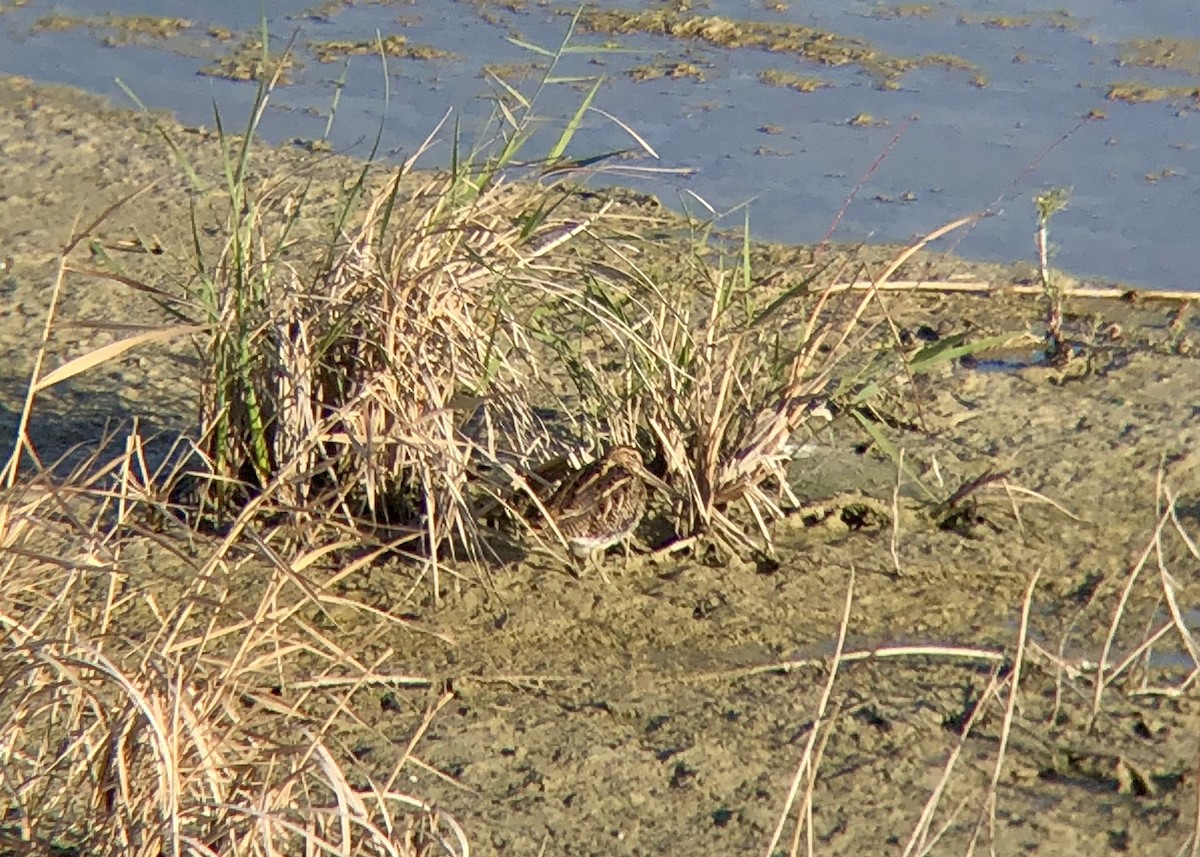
[1170,586]
[22,441]
[1195,843]
[1103,677]
[1014,687]
[882,653]
[105,353]
[920,841]
[806,764]
[184,741]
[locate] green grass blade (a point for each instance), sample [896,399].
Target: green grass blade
[951,348]
[339,84]
[564,140]
[799,289]
[512,91]
[888,448]
[176,153]
[531,47]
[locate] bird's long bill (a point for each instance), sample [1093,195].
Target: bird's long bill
[654,481]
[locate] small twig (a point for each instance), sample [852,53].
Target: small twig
[1010,709]
[1196,818]
[953,652]
[1102,680]
[1169,587]
[1015,506]
[1011,489]
[426,721]
[1173,692]
[369,680]
[972,485]
[895,541]
[981,287]
[854,191]
[806,808]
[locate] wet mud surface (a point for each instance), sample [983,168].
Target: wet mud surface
[666,711]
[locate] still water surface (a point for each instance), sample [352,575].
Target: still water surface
[991,136]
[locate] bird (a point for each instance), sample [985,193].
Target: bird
[598,505]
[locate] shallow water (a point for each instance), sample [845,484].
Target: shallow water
[1135,173]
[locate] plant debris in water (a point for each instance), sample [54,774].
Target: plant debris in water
[910,10]
[1059,20]
[672,70]
[1136,92]
[244,62]
[809,43]
[1163,52]
[392,46]
[772,77]
[514,72]
[117,29]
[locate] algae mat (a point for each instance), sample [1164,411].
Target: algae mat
[666,712]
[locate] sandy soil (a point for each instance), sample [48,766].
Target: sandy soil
[666,712]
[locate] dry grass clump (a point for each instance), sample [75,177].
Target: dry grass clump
[365,390]
[715,372]
[729,404]
[152,702]
[168,713]
[369,393]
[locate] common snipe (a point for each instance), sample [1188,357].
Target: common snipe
[602,503]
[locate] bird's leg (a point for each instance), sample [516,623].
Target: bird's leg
[577,566]
[627,549]
[596,557]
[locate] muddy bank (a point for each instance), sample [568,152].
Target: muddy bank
[666,712]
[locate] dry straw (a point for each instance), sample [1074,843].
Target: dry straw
[717,371]
[139,720]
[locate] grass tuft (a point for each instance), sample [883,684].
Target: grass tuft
[167,713]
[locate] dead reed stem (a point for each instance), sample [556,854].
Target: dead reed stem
[1010,708]
[919,841]
[1104,678]
[807,757]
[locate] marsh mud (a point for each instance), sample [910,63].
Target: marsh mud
[666,711]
